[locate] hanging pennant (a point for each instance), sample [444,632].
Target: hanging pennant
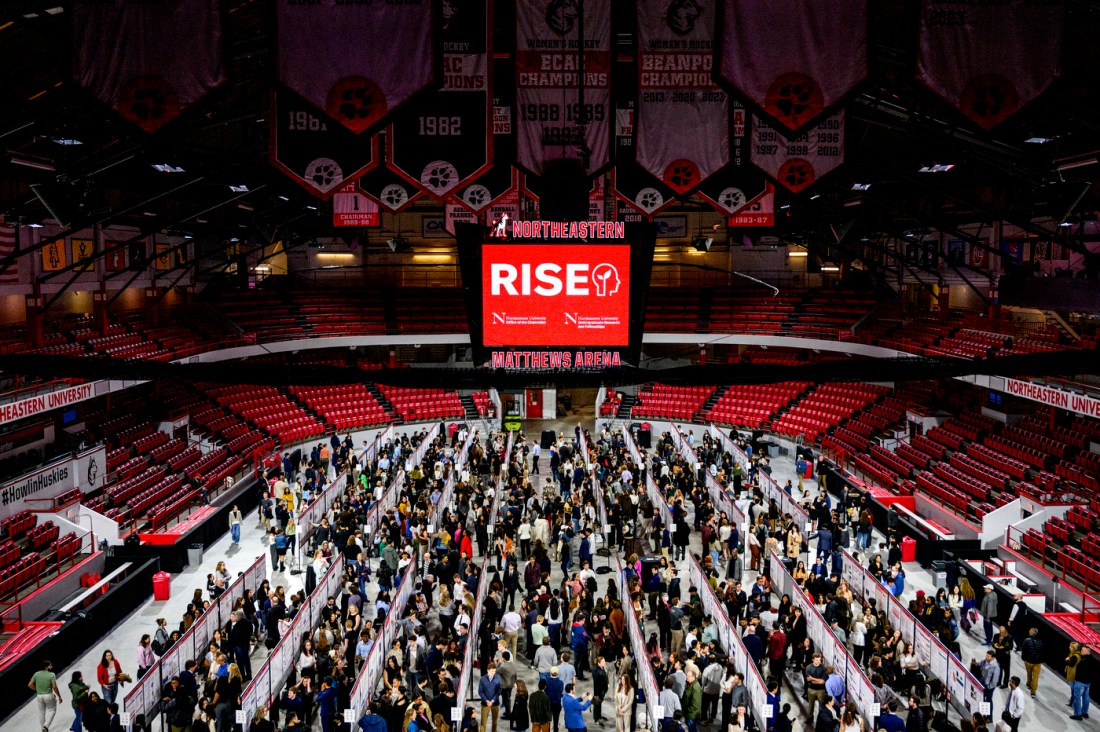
[639,190]
[167,57]
[797,163]
[441,141]
[312,150]
[794,60]
[552,123]
[356,61]
[738,184]
[83,254]
[683,117]
[53,256]
[989,59]
[498,184]
[392,192]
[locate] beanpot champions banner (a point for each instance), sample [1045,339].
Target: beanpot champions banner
[443,140]
[963,54]
[547,75]
[796,164]
[312,150]
[683,117]
[793,59]
[168,57]
[342,57]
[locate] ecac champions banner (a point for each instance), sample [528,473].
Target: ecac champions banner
[556,295]
[683,117]
[548,68]
[356,61]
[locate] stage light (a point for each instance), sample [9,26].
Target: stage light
[702,243]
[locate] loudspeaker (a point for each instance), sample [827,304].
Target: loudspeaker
[565,191]
[644,438]
[547,439]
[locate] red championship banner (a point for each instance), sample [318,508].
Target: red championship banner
[169,55]
[683,117]
[963,54]
[357,61]
[442,140]
[114,256]
[793,59]
[312,150]
[797,163]
[548,65]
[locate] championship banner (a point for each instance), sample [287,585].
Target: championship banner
[351,207]
[499,183]
[312,150]
[171,57]
[640,191]
[456,213]
[356,61]
[797,163]
[83,254]
[738,184]
[794,60]
[393,193]
[443,141]
[683,117]
[9,245]
[978,256]
[53,256]
[547,78]
[165,260]
[114,256]
[962,57]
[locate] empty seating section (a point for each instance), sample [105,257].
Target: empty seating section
[672,311]
[824,407]
[753,405]
[269,409]
[342,407]
[423,310]
[662,401]
[482,403]
[29,548]
[417,404]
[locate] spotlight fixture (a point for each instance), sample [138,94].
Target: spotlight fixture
[397,244]
[937,168]
[702,243]
[167,168]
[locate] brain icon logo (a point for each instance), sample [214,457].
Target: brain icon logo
[649,199]
[732,199]
[357,102]
[148,101]
[989,99]
[324,174]
[439,176]
[476,196]
[605,278]
[394,196]
[796,174]
[681,175]
[794,99]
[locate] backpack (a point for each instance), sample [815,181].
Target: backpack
[160,642]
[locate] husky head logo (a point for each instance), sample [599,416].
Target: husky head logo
[561,16]
[93,473]
[450,11]
[500,228]
[681,16]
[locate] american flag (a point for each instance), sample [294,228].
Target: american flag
[7,248]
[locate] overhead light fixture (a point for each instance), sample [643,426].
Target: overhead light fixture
[66,141]
[150,214]
[1065,223]
[188,236]
[1079,161]
[937,168]
[233,239]
[702,243]
[815,196]
[35,163]
[785,207]
[238,189]
[853,202]
[56,10]
[336,255]
[34,226]
[861,186]
[245,206]
[1039,140]
[829,268]
[282,198]
[30,16]
[397,243]
[166,168]
[311,208]
[798,253]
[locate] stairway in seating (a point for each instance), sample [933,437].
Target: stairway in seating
[305,408]
[468,407]
[708,405]
[386,403]
[1061,322]
[627,404]
[791,404]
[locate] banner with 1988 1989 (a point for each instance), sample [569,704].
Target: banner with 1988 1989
[793,59]
[443,140]
[552,122]
[683,117]
[356,61]
[169,56]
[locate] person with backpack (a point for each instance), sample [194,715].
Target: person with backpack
[160,637]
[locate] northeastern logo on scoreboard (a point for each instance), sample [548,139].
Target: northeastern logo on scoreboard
[505,227]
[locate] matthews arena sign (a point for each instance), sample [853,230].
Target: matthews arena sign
[554,360]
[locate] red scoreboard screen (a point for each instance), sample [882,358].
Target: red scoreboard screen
[553,295]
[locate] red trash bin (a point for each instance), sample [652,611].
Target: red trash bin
[162,586]
[908,549]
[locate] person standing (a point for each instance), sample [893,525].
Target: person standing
[600,684]
[489,690]
[574,709]
[1082,682]
[555,689]
[506,672]
[1017,703]
[78,690]
[107,674]
[990,675]
[1031,651]
[625,699]
[988,610]
[145,657]
[815,683]
[539,708]
[44,684]
[692,702]
[235,519]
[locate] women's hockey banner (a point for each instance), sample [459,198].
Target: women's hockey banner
[552,122]
[793,59]
[683,117]
[171,56]
[340,57]
[442,141]
[964,54]
[312,150]
[796,164]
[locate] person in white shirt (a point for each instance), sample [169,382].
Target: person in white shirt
[1017,703]
[511,622]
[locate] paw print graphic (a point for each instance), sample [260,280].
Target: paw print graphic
[324,173]
[731,199]
[796,174]
[356,101]
[439,176]
[476,196]
[794,99]
[148,101]
[988,99]
[649,199]
[394,196]
[681,175]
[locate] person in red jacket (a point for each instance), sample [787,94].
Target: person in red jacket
[107,674]
[467,548]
